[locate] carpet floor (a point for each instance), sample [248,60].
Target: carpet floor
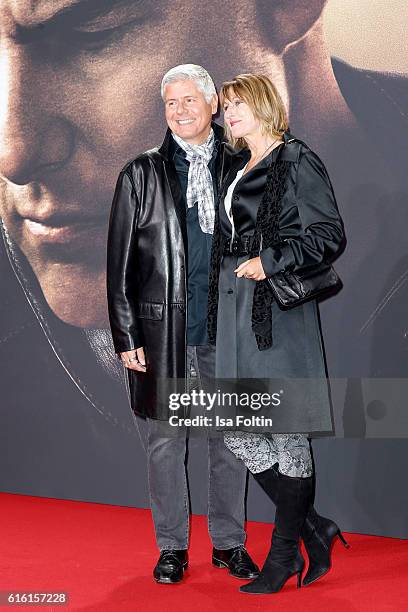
[103,557]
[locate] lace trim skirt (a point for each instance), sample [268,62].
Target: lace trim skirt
[260,452]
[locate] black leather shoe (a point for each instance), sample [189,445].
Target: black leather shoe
[237,560]
[170,566]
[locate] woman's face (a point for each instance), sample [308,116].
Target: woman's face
[240,118]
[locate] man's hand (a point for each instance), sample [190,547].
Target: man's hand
[134,360]
[251,269]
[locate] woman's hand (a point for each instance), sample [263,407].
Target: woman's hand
[134,360]
[251,269]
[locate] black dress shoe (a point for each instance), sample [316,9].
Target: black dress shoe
[170,566]
[237,560]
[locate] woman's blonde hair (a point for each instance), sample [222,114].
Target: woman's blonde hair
[263,99]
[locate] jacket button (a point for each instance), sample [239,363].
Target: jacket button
[235,197]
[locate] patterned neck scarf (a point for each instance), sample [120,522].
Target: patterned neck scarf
[200,184]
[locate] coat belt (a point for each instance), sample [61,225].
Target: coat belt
[239,246]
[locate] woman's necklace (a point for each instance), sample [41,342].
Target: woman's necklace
[261,157]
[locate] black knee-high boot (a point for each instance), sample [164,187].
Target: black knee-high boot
[284,559]
[318,532]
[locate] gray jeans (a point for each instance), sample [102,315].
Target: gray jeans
[168,478]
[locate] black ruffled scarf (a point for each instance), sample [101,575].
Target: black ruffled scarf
[266,235]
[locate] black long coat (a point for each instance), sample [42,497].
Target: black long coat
[147,273]
[311,232]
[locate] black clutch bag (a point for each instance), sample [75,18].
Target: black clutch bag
[291,289]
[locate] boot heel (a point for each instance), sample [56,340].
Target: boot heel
[299,580]
[343,540]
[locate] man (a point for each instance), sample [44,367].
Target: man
[159,245]
[75,77]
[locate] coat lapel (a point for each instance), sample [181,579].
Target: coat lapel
[176,193]
[221,157]
[174,185]
[235,162]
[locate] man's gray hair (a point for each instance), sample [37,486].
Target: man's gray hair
[190,72]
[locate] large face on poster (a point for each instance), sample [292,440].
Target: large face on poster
[80,95]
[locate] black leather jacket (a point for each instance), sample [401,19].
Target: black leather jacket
[147,272]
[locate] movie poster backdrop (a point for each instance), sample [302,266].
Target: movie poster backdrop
[80,96]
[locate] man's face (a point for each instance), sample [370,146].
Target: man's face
[79,96]
[75,105]
[188,114]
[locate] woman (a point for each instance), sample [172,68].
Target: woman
[277,212]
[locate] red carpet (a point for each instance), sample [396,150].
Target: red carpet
[103,557]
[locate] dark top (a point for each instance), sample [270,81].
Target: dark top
[310,228]
[198,253]
[247,195]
